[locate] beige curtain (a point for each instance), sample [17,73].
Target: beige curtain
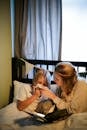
[21,15]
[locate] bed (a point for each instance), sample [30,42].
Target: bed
[13,119]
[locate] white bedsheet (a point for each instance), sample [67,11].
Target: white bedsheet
[13,119]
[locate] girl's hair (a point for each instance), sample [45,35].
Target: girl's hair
[68,73]
[38,75]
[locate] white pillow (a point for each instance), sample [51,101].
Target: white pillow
[17,85]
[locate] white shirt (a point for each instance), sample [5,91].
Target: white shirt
[24,93]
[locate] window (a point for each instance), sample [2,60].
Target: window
[74,30]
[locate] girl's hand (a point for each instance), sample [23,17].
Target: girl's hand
[37,92]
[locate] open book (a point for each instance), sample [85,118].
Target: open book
[38,116]
[50,117]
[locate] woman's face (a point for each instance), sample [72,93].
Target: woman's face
[58,80]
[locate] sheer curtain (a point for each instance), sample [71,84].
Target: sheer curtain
[43,36]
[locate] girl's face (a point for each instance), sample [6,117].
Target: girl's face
[58,80]
[41,80]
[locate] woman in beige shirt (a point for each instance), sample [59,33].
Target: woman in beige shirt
[73,95]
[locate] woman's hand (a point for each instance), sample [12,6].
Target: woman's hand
[46,92]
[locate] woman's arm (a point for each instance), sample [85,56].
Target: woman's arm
[75,103]
[60,103]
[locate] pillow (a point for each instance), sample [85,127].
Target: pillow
[17,85]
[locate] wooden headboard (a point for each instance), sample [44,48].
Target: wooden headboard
[17,66]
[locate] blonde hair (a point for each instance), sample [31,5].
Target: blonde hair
[68,73]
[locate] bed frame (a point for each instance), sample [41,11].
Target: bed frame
[18,64]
